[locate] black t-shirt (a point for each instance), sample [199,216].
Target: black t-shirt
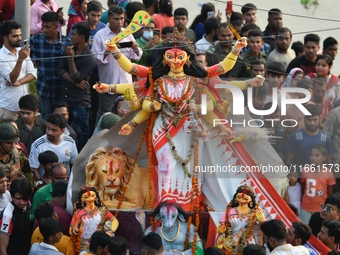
[315,223]
[17,225]
[303,63]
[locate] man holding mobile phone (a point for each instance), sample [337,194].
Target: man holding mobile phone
[109,70]
[38,9]
[16,70]
[148,41]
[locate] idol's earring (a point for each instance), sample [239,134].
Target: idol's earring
[164,62]
[82,204]
[188,62]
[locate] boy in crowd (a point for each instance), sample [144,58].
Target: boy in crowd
[257,67]
[255,42]
[181,21]
[274,78]
[317,182]
[46,159]
[51,231]
[152,244]
[98,243]
[330,210]
[30,126]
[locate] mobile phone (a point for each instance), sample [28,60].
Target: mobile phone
[60,9]
[125,44]
[26,42]
[156,32]
[211,14]
[229,6]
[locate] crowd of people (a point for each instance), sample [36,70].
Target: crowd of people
[41,136]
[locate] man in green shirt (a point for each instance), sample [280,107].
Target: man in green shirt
[147,42]
[58,172]
[242,68]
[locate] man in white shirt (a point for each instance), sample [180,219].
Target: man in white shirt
[109,70]
[210,37]
[282,53]
[275,235]
[16,70]
[54,140]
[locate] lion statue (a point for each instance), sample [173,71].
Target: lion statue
[108,170]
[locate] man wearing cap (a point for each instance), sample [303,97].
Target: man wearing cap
[12,159]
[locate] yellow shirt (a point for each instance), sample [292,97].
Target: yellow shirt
[65,245]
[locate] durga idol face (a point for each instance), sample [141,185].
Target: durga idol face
[175,58]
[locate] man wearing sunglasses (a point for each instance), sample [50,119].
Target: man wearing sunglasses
[330,210]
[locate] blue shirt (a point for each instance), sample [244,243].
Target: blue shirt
[300,144]
[265,48]
[45,54]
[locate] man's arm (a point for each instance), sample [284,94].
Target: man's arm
[4,240]
[23,54]
[28,78]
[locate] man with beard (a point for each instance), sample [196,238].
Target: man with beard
[298,234]
[301,142]
[329,234]
[274,24]
[54,140]
[275,235]
[15,225]
[307,61]
[16,70]
[282,53]
[217,53]
[210,37]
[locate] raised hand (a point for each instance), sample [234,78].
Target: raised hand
[111,47]
[242,43]
[101,87]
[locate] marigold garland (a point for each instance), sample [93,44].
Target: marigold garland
[76,239]
[247,234]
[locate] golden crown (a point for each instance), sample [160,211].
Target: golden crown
[179,39]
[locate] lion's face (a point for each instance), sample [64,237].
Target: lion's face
[111,171]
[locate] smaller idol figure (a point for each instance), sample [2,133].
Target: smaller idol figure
[90,215]
[236,229]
